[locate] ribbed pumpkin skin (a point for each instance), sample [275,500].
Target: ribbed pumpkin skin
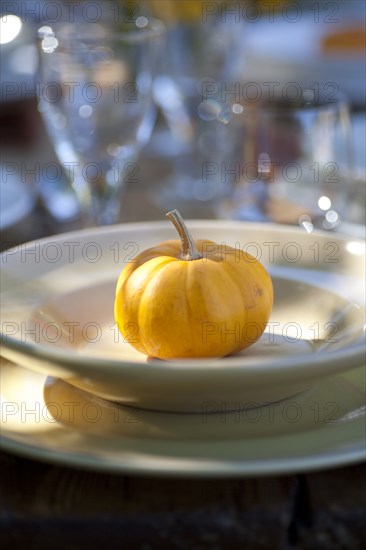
[210,307]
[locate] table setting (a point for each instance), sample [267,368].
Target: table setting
[183,277]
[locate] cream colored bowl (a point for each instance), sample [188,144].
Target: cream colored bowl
[57,299]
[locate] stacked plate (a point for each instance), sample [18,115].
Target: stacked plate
[74,392]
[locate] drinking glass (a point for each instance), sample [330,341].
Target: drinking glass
[95,96]
[200,60]
[290,161]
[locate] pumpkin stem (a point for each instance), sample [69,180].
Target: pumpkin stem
[189,249]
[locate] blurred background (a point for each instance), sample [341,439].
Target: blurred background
[218,59]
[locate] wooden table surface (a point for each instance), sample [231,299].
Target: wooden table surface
[48,506]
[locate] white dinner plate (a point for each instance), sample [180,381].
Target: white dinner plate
[49,420]
[57,316]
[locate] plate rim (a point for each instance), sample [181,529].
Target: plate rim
[257,468]
[64,358]
[161,465]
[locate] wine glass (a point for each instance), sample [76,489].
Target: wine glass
[200,57]
[95,96]
[291,161]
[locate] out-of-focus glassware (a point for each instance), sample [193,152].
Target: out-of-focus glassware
[200,59]
[96,99]
[290,162]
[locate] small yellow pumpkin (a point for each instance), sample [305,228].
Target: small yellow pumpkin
[187,299]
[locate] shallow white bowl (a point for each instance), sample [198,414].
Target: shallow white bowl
[57,299]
